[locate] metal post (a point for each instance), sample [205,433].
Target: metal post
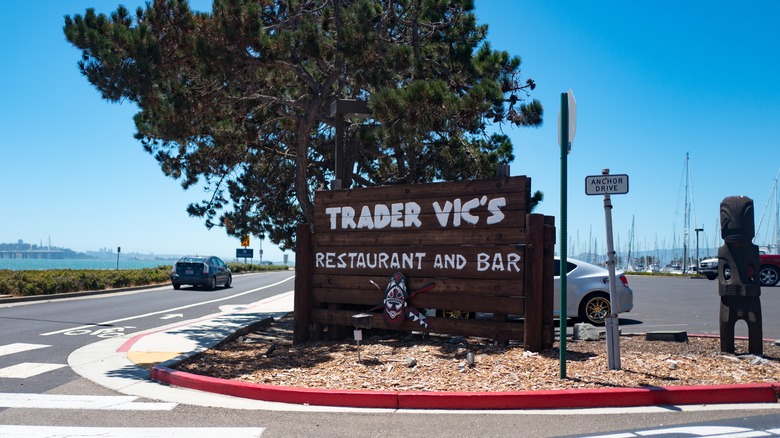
[563,256]
[118,250]
[358,337]
[698,230]
[361,320]
[612,326]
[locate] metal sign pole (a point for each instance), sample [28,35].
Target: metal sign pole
[613,332]
[564,140]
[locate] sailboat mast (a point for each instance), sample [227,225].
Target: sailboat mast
[590,244]
[686,219]
[630,245]
[777,220]
[774,241]
[772,236]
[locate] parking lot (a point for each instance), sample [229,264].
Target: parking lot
[692,305]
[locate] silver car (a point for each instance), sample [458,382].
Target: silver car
[587,288]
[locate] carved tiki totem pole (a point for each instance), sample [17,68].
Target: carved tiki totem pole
[738,283]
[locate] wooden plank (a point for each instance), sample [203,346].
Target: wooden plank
[459,327]
[548,287]
[303,275]
[465,204]
[367,299]
[533,283]
[492,236]
[488,286]
[515,184]
[499,262]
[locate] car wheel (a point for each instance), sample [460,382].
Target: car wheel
[229,281]
[176,286]
[213,283]
[768,275]
[595,308]
[711,276]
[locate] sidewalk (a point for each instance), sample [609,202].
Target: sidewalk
[123,364]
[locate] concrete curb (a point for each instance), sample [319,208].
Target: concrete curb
[550,399]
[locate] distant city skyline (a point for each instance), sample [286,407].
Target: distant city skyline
[113,252]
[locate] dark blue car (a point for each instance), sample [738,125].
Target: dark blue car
[207,271]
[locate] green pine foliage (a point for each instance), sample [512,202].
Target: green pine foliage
[237,100]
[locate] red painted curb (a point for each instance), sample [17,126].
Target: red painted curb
[283,394]
[549,399]
[592,398]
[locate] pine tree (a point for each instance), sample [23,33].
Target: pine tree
[239,98]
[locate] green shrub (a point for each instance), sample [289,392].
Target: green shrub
[55,281]
[237,268]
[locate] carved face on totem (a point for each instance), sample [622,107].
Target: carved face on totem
[396,297]
[737,219]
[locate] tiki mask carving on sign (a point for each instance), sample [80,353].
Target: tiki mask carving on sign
[397,306]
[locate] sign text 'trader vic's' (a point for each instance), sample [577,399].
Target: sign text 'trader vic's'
[407,214]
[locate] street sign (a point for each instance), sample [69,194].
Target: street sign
[245,253]
[245,240]
[606,184]
[572,115]
[572,119]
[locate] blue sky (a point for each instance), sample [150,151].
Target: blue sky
[653,80]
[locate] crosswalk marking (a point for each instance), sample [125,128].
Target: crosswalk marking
[128,432]
[721,431]
[19,348]
[28,369]
[95,402]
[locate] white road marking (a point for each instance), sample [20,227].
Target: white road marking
[28,369]
[168,310]
[95,402]
[19,348]
[751,407]
[128,432]
[704,431]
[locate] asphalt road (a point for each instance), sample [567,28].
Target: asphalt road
[691,305]
[48,331]
[72,406]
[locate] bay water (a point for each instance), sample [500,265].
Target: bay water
[43,264]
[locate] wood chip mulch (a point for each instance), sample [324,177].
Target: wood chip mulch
[438,363]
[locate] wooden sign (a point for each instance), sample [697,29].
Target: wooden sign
[468,238]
